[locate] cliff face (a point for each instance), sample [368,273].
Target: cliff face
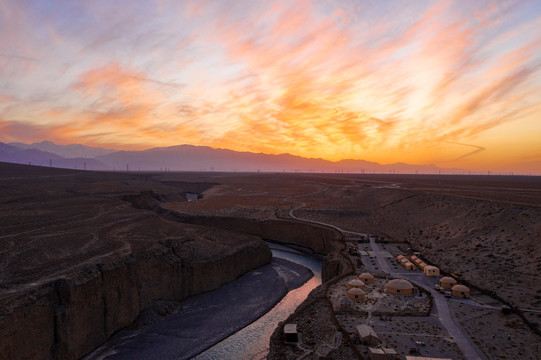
[67,319]
[316,310]
[335,264]
[319,238]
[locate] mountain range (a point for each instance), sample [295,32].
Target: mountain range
[189,158]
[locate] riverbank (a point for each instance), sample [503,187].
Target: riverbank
[252,341]
[182,330]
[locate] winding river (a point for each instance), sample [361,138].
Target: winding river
[212,314]
[252,342]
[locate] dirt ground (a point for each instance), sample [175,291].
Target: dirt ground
[499,336]
[55,222]
[421,333]
[485,228]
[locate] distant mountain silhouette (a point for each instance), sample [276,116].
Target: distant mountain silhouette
[204,158]
[13,154]
[66,151]
[192,158]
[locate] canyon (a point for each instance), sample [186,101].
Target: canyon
[83,253]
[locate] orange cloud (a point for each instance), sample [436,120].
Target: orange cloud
[303,75]
[324,79]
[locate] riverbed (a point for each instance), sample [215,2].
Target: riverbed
[252,342]
[234,321]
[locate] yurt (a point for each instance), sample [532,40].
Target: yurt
[366,278]
[356,283]
[460,291]
[356,294]
[447,282]
[399,287]
[431,270]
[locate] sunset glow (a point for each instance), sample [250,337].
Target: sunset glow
[451,83]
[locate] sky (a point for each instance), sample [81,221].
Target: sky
[451,83]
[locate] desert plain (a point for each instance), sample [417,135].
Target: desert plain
[83,253]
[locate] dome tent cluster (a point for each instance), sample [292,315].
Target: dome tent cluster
[366,278]
[356,290]
[356,294]
[356,283]
[460,291]
[356,287]
[446,283]
[399,287]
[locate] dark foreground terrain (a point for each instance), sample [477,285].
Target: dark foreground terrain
[83,253]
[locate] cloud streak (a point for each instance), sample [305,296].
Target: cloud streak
[478,149]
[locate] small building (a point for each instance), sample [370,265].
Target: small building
[430,270]
[367,335]
[420,264]
[461,291]
[382,354]
[366,277]
[409,266]
[345,304]
[356,283]
[413,257]
[400,257]
[447,282]
[356,294]
[290,333]
[399,287]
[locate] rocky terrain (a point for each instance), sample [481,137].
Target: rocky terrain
[485,230]
[492,243]
[81,257]
[75,246]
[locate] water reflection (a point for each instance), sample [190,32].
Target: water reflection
[252,342]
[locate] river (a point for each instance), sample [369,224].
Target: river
[252,342]
[196,322]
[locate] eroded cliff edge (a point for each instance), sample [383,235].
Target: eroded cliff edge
[69,317]
[78,262]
